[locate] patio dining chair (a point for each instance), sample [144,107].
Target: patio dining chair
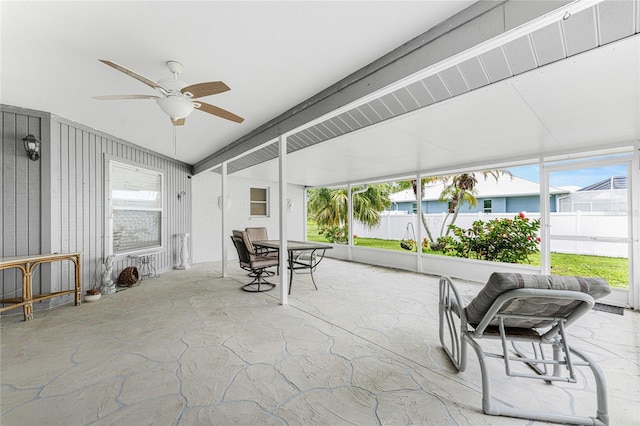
[254,263]
[259,233]
[514,309]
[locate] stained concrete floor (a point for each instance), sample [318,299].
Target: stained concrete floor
[190,347]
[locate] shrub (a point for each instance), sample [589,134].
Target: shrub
[336,234]
[500,240]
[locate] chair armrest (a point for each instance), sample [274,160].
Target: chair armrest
[451,330]
[450,298]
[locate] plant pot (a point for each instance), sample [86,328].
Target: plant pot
[92,297]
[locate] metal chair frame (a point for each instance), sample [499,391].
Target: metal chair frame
[255,264]
[456,333]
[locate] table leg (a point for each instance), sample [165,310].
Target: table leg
[78,281]
[290,270]
[27,294]
[311,267]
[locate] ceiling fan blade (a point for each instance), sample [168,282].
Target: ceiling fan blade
[120,97]
[134,74]
[178,121]
[205,89]
[214,110]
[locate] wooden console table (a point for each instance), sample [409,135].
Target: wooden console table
[27,265]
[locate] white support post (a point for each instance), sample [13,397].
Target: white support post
[633,179]
[304,214]
[223,207]
[545,217]
[350,222]
[284,271]
[419,222]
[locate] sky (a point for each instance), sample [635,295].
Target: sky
[579,177]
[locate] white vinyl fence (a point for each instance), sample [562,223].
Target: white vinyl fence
[393,227]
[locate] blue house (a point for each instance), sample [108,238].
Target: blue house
[506,195]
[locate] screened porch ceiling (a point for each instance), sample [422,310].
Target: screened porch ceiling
[545,90]
[550,92]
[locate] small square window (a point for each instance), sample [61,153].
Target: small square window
[259,201]
[486,204]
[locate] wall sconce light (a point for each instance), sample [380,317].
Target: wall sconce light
[32,146]
[227,203]
[181,194]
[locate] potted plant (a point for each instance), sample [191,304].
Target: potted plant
[93,294]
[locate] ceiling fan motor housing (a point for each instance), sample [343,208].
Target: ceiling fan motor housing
[175,105]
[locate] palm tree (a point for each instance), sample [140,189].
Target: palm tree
[328,207]
[461,190]
[458,190]
[323,207]
[423,183]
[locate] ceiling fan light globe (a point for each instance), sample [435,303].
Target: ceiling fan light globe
[175,106]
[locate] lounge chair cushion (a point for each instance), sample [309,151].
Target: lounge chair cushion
[500,282]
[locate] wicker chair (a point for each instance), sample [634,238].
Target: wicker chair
[516,308]
[254,263]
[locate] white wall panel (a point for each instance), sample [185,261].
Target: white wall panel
[207,240]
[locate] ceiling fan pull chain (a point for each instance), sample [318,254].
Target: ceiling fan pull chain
[175,150]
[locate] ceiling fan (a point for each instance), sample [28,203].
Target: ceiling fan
[176,98]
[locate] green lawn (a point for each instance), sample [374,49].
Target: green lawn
[613,269]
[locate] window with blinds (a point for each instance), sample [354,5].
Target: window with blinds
[136,208]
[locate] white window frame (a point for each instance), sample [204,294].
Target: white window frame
[486,209]
[253,202]
[110,163]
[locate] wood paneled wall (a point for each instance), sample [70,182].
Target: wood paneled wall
[57,204]
[20,203]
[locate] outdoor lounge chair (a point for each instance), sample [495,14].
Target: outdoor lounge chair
[523,308]
[252,262]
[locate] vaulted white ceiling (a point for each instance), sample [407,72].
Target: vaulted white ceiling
[275,55]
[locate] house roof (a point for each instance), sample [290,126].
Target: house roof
[363,90]
[614,182]
[505,186]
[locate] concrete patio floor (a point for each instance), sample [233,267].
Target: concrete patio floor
[190,347]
